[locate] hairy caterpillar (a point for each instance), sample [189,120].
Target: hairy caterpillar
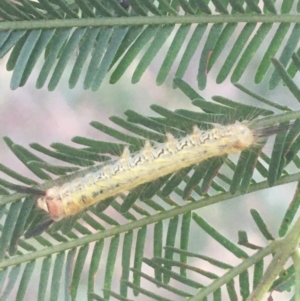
[147,165]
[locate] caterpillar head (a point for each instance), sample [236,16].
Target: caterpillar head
[51,203]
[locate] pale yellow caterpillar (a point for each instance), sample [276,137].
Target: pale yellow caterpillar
[147,165]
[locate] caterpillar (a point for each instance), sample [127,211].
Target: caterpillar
[147,165]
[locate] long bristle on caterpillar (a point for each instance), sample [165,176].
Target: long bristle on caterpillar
[261,133]
[149,164]
[26,189]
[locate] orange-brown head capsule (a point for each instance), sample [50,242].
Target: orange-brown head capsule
[51,202]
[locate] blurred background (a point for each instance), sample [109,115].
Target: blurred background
[30,115]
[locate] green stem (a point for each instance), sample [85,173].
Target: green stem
[140,223]
[296,261]
[153,20]
[286,248]
[271,120]
[236,271]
